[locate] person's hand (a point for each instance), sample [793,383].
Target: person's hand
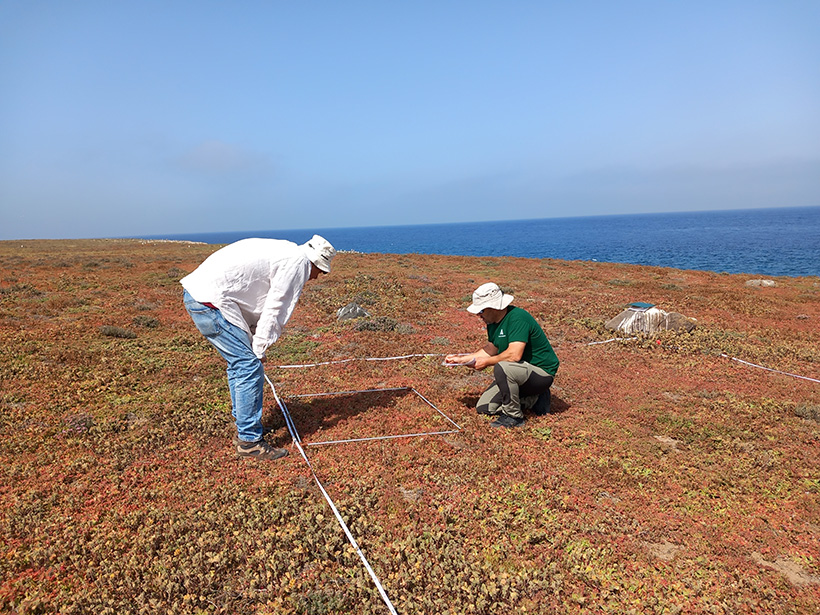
[263,358]
[455,358]
[481,362]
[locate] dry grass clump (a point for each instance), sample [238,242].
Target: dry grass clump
[112,331]
[380,323]
[808,411]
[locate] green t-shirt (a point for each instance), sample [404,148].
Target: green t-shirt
[519,326]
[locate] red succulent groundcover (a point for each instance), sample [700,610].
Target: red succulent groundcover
[668,478]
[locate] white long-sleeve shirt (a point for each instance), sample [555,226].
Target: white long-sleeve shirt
[255,284]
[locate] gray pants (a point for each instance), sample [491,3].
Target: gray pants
[513,381]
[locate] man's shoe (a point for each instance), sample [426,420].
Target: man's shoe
[542,405]
[259,450]
[505,420]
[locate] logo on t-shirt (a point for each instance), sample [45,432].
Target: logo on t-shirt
[501,333]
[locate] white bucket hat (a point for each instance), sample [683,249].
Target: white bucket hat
[319,251]
[489,296]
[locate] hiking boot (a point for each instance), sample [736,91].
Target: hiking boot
[258,450]
[505,420]
[542,405]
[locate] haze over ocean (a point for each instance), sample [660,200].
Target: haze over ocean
[144,118]
[775,242]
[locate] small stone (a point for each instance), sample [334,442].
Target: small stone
[411,495]
[350,311]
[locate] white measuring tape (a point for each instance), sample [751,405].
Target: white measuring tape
[296,440]
[405,356]
[726,356]
[614,339]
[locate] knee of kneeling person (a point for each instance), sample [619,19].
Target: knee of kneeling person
[504,367]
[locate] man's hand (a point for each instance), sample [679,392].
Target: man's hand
[476,360]
[263,358]
[489,356]
[481,362]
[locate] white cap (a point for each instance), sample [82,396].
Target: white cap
[489,296]
[319,251]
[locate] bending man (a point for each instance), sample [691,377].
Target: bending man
[240,298]
[524,363]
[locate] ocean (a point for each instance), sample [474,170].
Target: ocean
[773,242]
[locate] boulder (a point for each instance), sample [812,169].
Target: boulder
[649,321]
[676,321]
[351,310]
[763,283]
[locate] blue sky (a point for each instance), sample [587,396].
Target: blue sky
[145,118]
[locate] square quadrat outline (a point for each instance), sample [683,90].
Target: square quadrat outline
[389,437]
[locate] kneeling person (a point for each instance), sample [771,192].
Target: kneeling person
[524,363]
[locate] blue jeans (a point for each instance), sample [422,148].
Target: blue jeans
[246,374]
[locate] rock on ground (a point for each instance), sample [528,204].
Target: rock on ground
[763,283]
[351,310]
[650,321]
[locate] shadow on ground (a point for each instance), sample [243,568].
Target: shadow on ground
[322,413]
[557,405]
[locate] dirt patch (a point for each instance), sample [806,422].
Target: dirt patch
[667,443]
[663,550]
[458,444]
[789,569]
